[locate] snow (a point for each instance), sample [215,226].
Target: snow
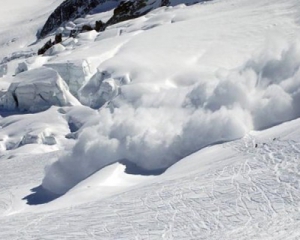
[37,90]
[55,50]
[232,190]
[181,124]
[157,117]
[20,21]
[74,73]
[18,130]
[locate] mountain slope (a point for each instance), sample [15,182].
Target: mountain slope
[180,124]
[233,190]
[123,10]
[72,9]
[20,22]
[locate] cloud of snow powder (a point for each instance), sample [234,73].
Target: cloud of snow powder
[156,126]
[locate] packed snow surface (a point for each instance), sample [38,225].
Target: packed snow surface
[181,124]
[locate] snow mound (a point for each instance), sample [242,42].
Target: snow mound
[54,50]
[108,33]
[46,128]
[69,43]
[37,90]
[87,36]
[40,137]
[156,127]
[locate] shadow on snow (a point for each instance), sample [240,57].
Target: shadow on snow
[40,196]
[133,169]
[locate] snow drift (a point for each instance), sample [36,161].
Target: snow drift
[156,127]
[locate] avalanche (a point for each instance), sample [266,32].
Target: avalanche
[181,123]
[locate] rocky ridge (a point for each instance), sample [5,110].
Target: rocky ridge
[123,10]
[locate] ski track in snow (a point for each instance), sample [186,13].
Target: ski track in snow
[255,196]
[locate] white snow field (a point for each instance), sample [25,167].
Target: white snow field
[181,124]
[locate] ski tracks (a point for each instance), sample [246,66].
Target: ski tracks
[255,197]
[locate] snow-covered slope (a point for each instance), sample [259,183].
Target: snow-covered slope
[174,87]
[19,23]
[122,11]
[167,126]
[229,191]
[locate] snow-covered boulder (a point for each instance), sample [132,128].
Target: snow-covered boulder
[70,26]
[87,36]
[109,33]
[37,90]
[55,49]
[75,73]
[69,43]
[60,30]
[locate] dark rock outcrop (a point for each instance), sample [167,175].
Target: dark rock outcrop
[58,38]
[68,10]
[47,45]
[124,10]
[99,26]
[165,2]
[86,28]
[128,10]
[131,9]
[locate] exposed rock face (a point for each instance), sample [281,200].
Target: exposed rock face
[165,2]
[128,10]
[131,9]
[47,46]
[69,9]
[125,10]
